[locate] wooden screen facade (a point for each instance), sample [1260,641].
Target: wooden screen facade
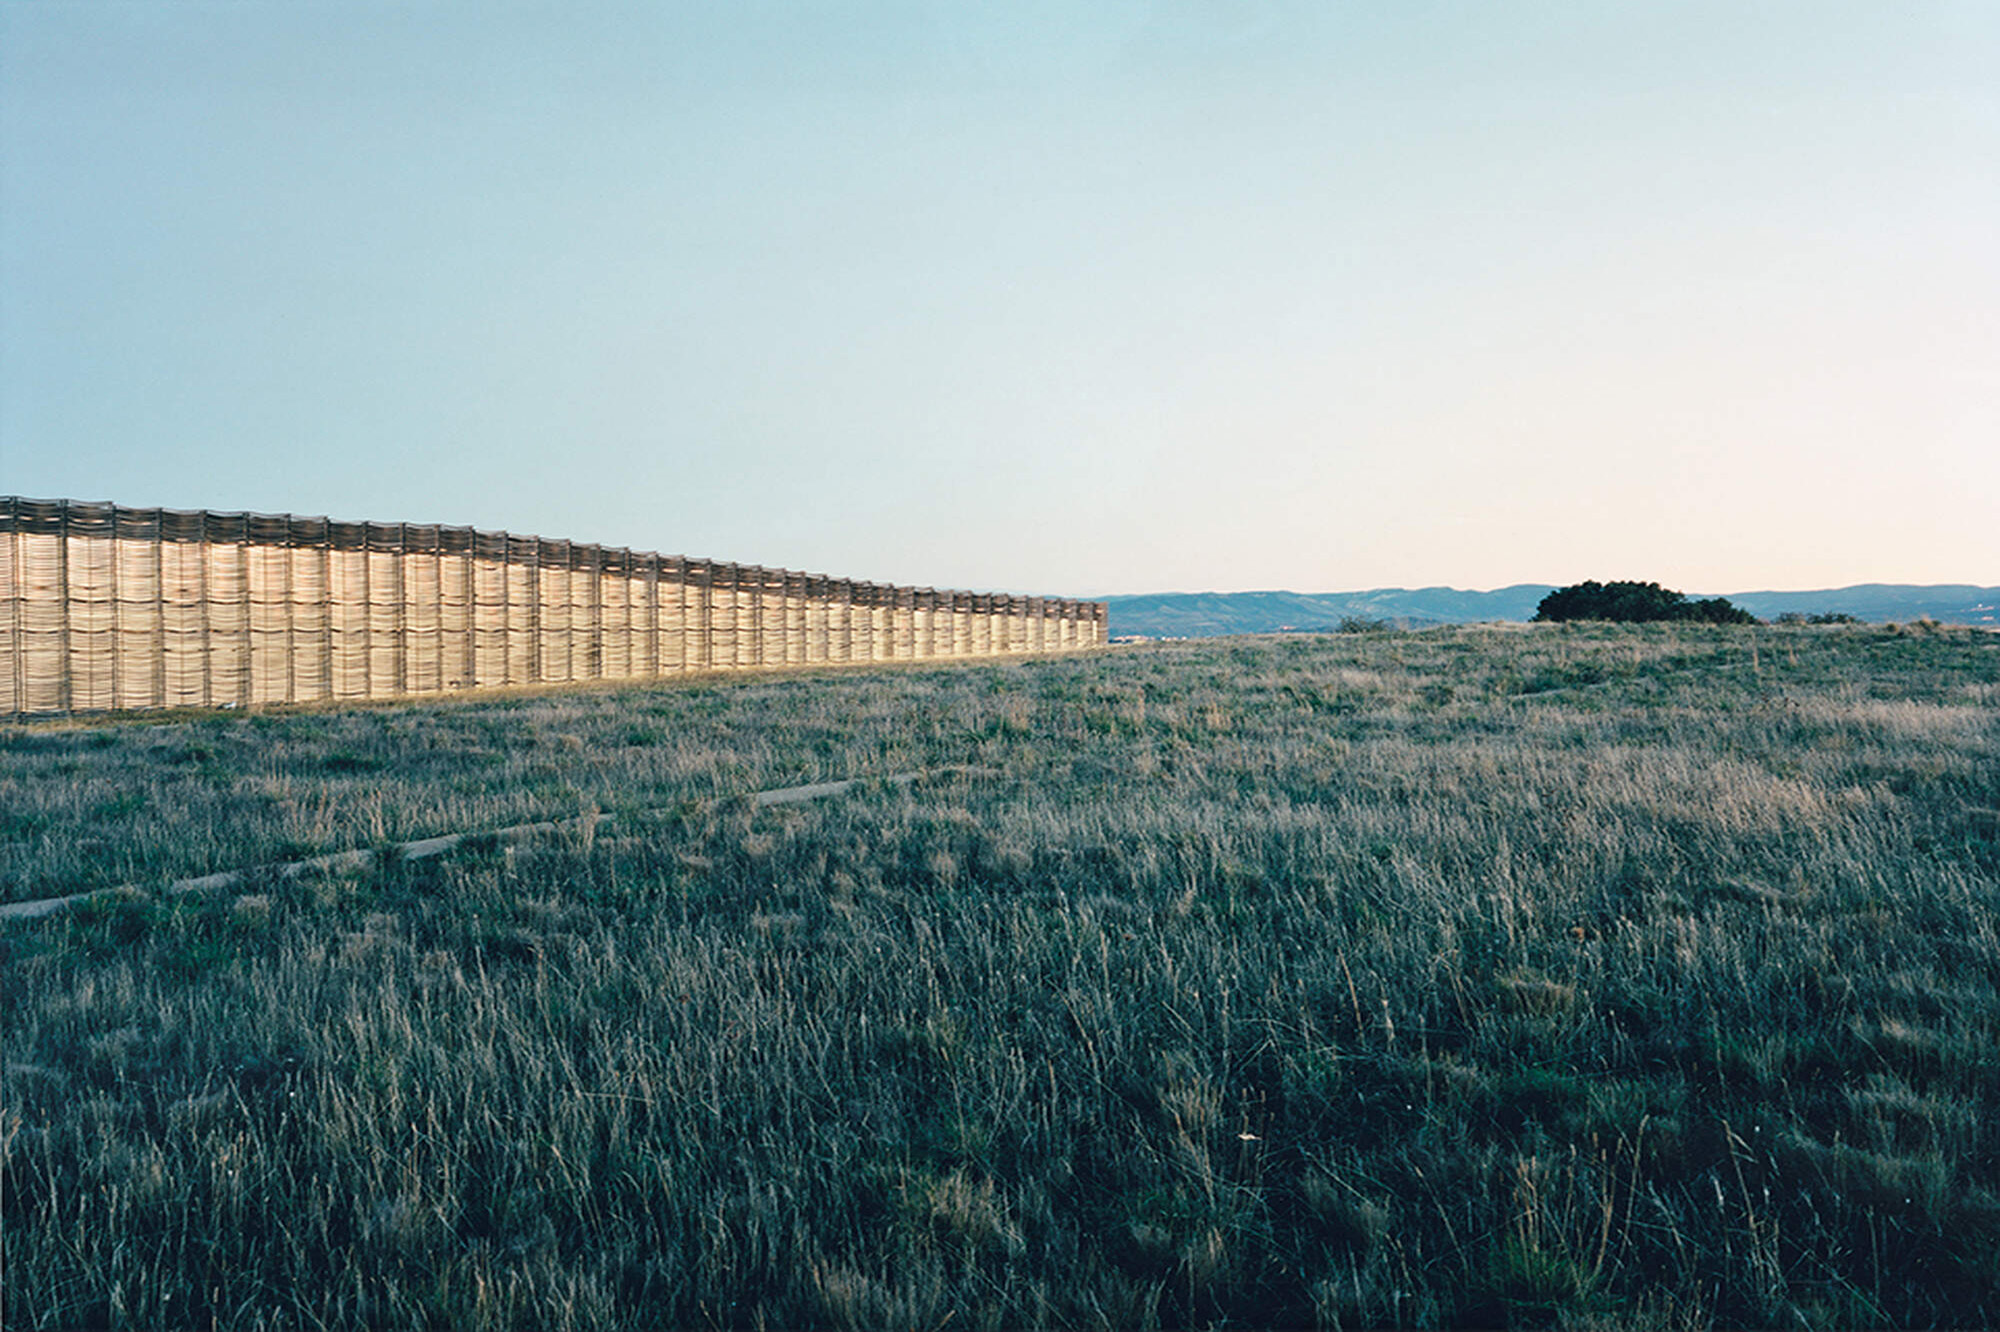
[105,608]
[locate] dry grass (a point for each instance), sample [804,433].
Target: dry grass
[1586,977]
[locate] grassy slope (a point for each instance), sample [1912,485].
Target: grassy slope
[1465,976]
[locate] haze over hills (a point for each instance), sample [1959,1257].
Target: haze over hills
[1206,614]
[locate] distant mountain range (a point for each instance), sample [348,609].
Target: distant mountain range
[1206,614]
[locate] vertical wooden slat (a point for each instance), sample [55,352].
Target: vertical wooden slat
[846,619]
[673,646]
[117,615]
[367,617]
[652,616]
[202,616]
[471,676]
[411,634]
[160,614]
[10,614]
[10,609]
[288,601]
[326,611]
[535,615]
[594,649]
[65,690]
[247,691]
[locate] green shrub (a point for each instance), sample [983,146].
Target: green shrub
[1635,603]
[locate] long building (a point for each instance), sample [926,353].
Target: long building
[104,607]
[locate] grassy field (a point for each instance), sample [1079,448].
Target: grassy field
[1480,976]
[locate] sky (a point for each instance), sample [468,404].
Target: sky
[1061,298]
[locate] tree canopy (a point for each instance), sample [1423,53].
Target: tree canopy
[1635,603]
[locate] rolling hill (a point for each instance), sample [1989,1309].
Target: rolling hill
[1207,614]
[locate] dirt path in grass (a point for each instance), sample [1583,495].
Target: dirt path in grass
[426,847]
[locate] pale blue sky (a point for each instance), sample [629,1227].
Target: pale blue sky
[1065,298]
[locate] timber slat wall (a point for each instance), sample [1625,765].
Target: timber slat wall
[107,608]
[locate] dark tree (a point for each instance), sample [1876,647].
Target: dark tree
[1635,603]
[1718,610]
